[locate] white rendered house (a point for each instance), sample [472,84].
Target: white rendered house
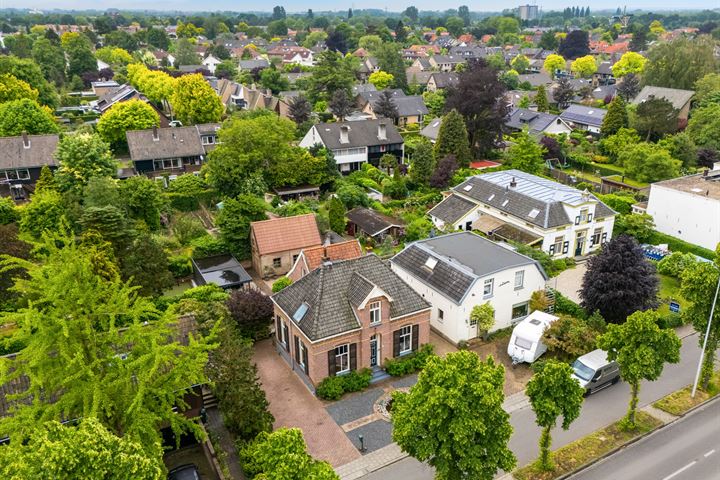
[457,271]
[513,205]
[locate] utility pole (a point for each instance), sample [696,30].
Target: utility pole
[707,334]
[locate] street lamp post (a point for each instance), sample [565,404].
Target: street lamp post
[707,334]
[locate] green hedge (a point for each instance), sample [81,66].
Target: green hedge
[677,245]
[568,307]
[180,266]
[409,363]
[332,388]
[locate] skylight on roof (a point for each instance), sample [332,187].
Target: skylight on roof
[300,312]
[533,213]
[467,188]
[491,197]
[505,202]
[431,262]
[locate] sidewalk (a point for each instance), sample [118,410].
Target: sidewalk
[382,457]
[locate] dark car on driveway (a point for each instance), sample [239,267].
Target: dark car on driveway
[184,472]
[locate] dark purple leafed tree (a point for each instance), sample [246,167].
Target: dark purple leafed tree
[252,312]
[444,171]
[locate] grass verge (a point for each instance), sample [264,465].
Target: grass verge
[680,402]
[582,451]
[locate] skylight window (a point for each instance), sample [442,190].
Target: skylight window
[467,188]
[431,262]
[491,197]
[300,312]
[533,213]
[505,202]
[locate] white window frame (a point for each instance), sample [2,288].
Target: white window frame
[558,245]
[283,333]
[584,215]
[520,274]
[406,339]
[342,355]
[441,315]
[488,282]
[168,163]
[597,236]
[375,313]
[301,354]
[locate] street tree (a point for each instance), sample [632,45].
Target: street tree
[94,349]
[452,139]
[641,349]
[616,118]
[553,64]
[194,101]
[553,393]
[282,455]
[526,154]
[699,282]
[81,157]
[27,116]
[123,117]
[630,62]
[453,418]
[234,222]
[584,67]
[423,162]
[88,450]
[619,281]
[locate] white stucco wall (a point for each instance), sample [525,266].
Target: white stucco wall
[690,217]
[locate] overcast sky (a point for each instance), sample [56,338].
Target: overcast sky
[302,5]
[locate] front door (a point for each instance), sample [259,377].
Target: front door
[579,243]
[374,350]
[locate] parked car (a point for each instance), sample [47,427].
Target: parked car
[594,371]
[526,340]
[184,472]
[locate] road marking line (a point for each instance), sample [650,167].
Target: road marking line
[678,472]
[709,453]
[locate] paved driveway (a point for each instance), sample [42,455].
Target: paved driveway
[293,405]
[569,282]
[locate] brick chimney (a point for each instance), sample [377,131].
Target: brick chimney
[344,134]
[513,183]
[156,136]
[382,131]
[26,140]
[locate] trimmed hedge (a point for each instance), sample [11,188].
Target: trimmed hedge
[409,363]
[677,245]
[568,307]
[332,388]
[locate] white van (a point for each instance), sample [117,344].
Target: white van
[526,340]
[593,371]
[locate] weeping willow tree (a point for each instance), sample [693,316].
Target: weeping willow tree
[95,349]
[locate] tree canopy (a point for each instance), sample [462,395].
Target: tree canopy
[668,64]
[123,117]
[25,115]
[194,101]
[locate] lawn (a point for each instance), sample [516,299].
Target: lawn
[669,290]
[627,181]
[580,452]
[680,402]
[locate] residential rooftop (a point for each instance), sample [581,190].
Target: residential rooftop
[699,184]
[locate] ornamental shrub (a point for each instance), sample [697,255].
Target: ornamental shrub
[409,363]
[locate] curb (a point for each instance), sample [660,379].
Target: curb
[635,440]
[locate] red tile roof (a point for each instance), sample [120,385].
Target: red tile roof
[286,233]
[336,251]
[480,164]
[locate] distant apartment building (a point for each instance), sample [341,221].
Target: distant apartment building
[528,12]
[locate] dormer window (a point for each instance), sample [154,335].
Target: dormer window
[430,263]
[375,313]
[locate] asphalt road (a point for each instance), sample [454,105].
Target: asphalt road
[689,449]
[600,409]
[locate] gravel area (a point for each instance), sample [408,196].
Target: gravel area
[405,382]
[375,434]
[354,406]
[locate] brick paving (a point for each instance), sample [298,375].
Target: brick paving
[216,425]
[293,405]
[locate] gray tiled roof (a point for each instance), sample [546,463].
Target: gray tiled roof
[452,209]
[677,97]
[327,292]
[530,193]
[445,79]
[172,142]
[583,115]
[362,134]
[432,129]
[462,258]
[13,154]
[371,221]
[535,121]
[358,289]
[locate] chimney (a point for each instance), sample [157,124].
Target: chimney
[26,140]
[344,130]
[156,137]
[705,172]
[382,131]
[513,183]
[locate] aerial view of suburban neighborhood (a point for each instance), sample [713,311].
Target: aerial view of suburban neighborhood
[359,241]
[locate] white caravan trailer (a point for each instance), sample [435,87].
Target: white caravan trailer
[525,343]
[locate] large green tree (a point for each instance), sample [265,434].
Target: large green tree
[96,350]
[699,283]
[332,72]
[452,139]
[83,156]
[656,117]
[145,265]
[453,418]
[88,450]
[616,117]
[336,215]
[526,153]
[668,64]
[144,201]
[28,71]
[44,213]
[704,126]
[51,59]
[641,349]
[79,53]
[25,115]
[423,163]
[648,162]
[553,392]
[123,117]
[234,222]
[194,101]
[11,244]
[12,88]
[390,61]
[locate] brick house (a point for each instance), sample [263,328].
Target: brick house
[313,257]
[276,243]
[348,315]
